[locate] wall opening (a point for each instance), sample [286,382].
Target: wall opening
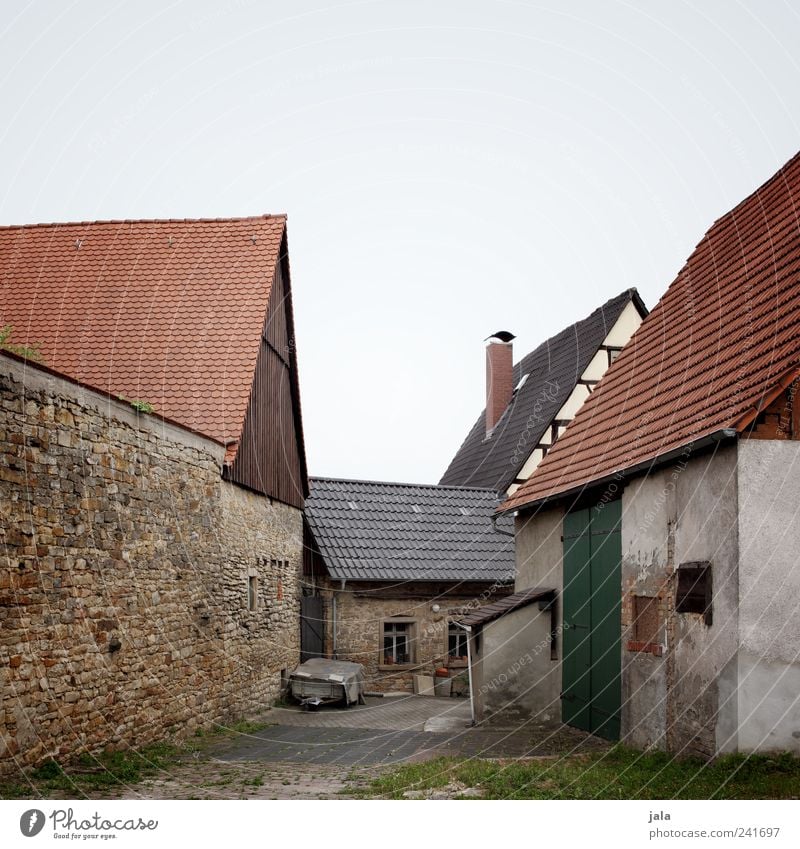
[252,592]
[693,593]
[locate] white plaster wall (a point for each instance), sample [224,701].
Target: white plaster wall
[518,681]
[769,595]
[597,367]
[705,657]
[648,504]
[531,463]
[624,327]
[538,549]
[575,401]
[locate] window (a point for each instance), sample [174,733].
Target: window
[397,642]
[456,641]
[693,592]
[252,592]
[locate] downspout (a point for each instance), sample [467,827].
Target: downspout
[468,629]
[335,653]
[498,530]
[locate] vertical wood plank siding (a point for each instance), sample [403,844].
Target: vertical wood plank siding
[270,458]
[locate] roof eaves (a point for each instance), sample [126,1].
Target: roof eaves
[482,489]
[117,221]
[724,435]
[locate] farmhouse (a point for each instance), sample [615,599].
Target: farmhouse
[151,483]
[392,567]
[660,532]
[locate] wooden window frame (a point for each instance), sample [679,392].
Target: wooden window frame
[410,625]
[462,635]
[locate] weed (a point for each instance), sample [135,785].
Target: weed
[29,352]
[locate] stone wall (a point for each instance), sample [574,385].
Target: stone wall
[361,610]
[125,577]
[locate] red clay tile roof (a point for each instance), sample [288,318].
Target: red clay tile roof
[720,344]
[169,312]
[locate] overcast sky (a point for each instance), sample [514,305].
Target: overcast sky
[449,168]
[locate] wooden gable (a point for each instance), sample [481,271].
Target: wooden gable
[271,457]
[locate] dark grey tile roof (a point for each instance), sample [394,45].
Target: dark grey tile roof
[374,531]
[553,369]
[490,612]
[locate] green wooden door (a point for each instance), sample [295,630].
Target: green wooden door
[591,674]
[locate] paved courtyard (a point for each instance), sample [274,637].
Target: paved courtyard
[326,754]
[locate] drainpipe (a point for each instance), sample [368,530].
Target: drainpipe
[468,629]
[500,530]
[335,653]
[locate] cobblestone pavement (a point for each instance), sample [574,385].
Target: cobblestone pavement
[213,779]
[397,713]
[328,753]
[393,731]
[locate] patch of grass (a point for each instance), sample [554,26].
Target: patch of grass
[244,726]
[142,406]
[29,352]
[90,773]
[620,773]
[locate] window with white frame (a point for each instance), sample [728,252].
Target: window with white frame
[397,642]
[456,641]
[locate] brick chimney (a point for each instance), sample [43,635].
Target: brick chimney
[499,377]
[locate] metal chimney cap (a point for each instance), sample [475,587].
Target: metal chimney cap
[502,335]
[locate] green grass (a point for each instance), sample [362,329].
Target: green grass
[617,774]
[29,352]
[89,774]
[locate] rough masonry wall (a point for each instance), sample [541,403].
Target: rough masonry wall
[124,577]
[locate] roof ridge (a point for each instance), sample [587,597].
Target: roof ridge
[775,176]
[263,217]
[633,295]
[405,483]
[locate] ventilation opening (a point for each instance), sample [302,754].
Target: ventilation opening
[693,593]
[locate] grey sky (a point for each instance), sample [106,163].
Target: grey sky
[449,168]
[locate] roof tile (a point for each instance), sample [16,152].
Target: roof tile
[386,539]
[725,334]
[553,369]
[169,312]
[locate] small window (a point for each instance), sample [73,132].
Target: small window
[456,641]
[613,353]
[252,592]
[397,642]
[693,591]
